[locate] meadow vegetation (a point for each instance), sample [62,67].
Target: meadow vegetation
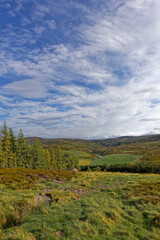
[83,205]
[115,159]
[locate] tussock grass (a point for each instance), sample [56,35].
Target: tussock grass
[20,234]
[91,205]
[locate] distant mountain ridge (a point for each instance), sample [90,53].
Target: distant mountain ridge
[103,142]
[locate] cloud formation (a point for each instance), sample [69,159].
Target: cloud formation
[81,70]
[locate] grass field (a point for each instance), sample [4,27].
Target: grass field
[115,159]
[83,157]
[91,205]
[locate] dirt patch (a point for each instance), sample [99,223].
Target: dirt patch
[48,190]
[41,198]
[80,191]
[58,234]
[59,182]
[83,191]
[104,186]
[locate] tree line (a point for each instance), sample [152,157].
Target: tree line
[130,168]
[16,152]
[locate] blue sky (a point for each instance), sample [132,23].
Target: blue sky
[80,69]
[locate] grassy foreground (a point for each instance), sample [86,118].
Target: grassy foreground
[85,205]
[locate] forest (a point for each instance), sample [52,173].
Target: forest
[17,152]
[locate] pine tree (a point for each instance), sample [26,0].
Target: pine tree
[47,159]
[28,156]
[1,154]
[52,159]
[8,155]
[70,161]
[76,163]
[58,157]
[38,155]
[13,144]
[13,141]
[21,150]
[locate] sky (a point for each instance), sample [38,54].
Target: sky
[80,68]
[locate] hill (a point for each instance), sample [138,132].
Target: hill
[86,150]
[124,144]
[128,140]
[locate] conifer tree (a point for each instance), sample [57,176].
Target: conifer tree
[8,155]
[47,159]
[52,159]
[24,157]
[38,155]
[21,150]
[58,157]
[28,156]
[76,162]
[1,154]
[13,144]
[13,141]
[35,153]
[70,161]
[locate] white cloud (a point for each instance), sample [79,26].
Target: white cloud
[118,51]
[51,24]
[30,88]
[39,30]
[40,11]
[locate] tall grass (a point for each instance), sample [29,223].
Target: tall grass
[91,205]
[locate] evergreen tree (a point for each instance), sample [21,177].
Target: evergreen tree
[58,158]
[52,159]
[67,159]
[13,144]
[28,156]
[8,155]
[47,159]
[13,141]
[38,155]
[24,157]
[1,154]
[76,163]
[70,161]
[21,150]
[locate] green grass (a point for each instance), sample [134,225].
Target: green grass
[91,205]
[81,156]
[115,159]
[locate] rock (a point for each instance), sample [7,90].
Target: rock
[58,234]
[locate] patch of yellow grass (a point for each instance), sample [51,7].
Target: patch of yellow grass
[84,162]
